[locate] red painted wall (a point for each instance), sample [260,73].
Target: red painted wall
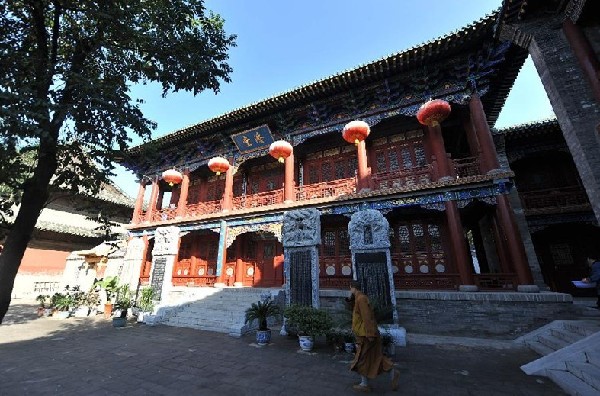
[43,261]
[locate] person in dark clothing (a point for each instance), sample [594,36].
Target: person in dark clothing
[594,277]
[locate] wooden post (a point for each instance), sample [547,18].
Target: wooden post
[153,200]
[227,204]
[363,179]
[239,263]
[435,142]
[459,247]
[516,249]
[489,157]
[289,185]
[139,203]
[185,186]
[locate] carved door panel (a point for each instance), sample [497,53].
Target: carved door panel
[269,268]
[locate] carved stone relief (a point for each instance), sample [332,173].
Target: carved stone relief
[301,228]
[368,229]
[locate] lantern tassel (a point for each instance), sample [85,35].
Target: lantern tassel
[281,160]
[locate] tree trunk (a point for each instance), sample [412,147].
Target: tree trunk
[35,195]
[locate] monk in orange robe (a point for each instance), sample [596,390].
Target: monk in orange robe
[369,360]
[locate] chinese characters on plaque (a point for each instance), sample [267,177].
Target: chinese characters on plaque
[253,139]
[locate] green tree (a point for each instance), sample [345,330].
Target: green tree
[67,68]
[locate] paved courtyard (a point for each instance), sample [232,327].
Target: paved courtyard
[87,356]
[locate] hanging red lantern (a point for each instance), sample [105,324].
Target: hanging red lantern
[218,165]
[356,131]
[433,112]
[280,150]
[172,176]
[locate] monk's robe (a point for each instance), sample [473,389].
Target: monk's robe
[368,359]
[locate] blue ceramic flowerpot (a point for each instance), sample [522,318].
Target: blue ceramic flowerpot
[263,337]
[119,322]
[306,343]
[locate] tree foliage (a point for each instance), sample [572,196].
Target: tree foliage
[67,68]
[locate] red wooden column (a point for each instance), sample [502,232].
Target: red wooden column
[153,200]
[474,147]
[139,202]
[363,177]
[459,247]
[227,204]
[239,263]
[489,158]
[585,55]
[516,249]
[185,186]
[435,142]
[289,190]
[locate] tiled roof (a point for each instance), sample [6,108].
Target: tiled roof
[529,128]
[430,51]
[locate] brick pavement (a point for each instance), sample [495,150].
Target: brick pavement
[45,356]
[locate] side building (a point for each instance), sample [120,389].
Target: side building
[69,223]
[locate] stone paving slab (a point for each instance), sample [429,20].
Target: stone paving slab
[87,356]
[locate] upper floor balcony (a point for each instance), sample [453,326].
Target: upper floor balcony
[555,200]
[463,171]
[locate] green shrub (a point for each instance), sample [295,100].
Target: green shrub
[308,320]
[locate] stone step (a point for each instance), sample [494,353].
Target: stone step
[588,373]
[583,328]
[568,336]
[539,347]
[570,383]
[593,357]
[552,342]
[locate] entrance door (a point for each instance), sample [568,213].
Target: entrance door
[269,264]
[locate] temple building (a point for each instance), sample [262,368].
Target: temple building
[408,135]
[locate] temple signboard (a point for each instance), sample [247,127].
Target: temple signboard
[253,139]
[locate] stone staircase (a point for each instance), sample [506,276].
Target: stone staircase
[570,352]
[212,309]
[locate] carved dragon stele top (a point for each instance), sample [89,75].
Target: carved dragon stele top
[368,229]
[301,227]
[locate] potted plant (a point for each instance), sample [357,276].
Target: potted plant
[308,322]
[110,285]
[62,303]
[82,310]
[349,341]
[42,299]
[145,303]
[123,303]
[261,312]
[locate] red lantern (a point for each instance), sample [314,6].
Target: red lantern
[280,150]
[172,176]
[356,131]
[218,165]
[433,112]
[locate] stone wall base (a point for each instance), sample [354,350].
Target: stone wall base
[505,315]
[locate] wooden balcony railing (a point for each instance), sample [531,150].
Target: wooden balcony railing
[558,198]
[465,167]
[408,178]
[261,199]
[202,208]
[402,178]
[334,188]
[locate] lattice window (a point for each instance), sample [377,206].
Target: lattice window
[420,242]
[268,250]
[406,158]
[404,237]
[340,170]
[313,175]
[381,162]
[393,160]
[562,255]
[254,187]
[329,243]
[213,250]
[344,243]
[250,249]
[326,172]
[420,157]
[434,237]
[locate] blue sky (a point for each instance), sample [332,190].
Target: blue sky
[286,44]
